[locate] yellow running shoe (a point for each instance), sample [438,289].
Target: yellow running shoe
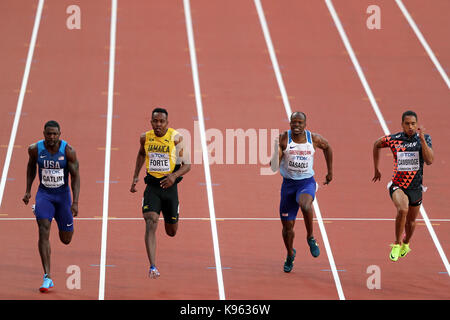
[404,249]
[395,252]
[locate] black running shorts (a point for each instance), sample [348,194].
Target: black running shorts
[157,199]
[414,195]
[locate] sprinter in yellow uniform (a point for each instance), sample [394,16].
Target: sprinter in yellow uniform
[166,161]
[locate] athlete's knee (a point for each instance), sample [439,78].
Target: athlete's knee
[44,228]
[305,207]
[151,218]
[403,212]
[65,237]
[171,233]
[288,226]
[171,229]
[65,241]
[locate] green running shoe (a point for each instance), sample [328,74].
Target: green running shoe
[395,252]
[404,249]
[289,263]
[313,247]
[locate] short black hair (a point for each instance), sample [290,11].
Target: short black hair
[408,113]
[298,112]
[53,124]
[160,110]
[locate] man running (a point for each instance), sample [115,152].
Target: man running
[55,160]
[162,151]
[295,152]
[411,148]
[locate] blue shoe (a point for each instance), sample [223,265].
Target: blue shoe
[47,284]
[289,263]
[153,273]
[313,247]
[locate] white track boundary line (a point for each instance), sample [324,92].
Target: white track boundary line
[23,88]
[287,106]
[423,42]
[382,122]
[112,53]
[201,123]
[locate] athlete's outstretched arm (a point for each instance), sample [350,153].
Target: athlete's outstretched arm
[74,170]
[140,159]
[322,143]
[31,171]
[182,159]
[376,159]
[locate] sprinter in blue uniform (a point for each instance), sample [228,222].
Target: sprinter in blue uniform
[55,161]
[294,156]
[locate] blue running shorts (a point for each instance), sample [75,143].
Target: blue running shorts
[55,205]
[290,196]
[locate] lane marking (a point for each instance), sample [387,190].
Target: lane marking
[27,91]
[109,117]
[287,107]
[381,119]
[23,89]
[423,42]
[110,181]
[112,148]
[201,123]
[97,265]
[338,270]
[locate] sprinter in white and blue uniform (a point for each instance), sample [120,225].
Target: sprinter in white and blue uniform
[296,149]
[55,160]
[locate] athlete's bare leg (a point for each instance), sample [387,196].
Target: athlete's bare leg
[44,244]
[288,235]
[401,201]
[151,223]
[305,202]
[410,224]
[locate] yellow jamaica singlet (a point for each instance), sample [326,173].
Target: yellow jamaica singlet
[160,153]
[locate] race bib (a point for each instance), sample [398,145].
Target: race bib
[298,166]
[159,162]
[52,178]
[408,161]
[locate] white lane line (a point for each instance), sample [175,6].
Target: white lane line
[381,119]
[23,89]
[423,42]
[201,123]
[350,51]
[287,106]
[112,53]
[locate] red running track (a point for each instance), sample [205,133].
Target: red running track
[69,81]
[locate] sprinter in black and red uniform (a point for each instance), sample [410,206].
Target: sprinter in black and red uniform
[411,149]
